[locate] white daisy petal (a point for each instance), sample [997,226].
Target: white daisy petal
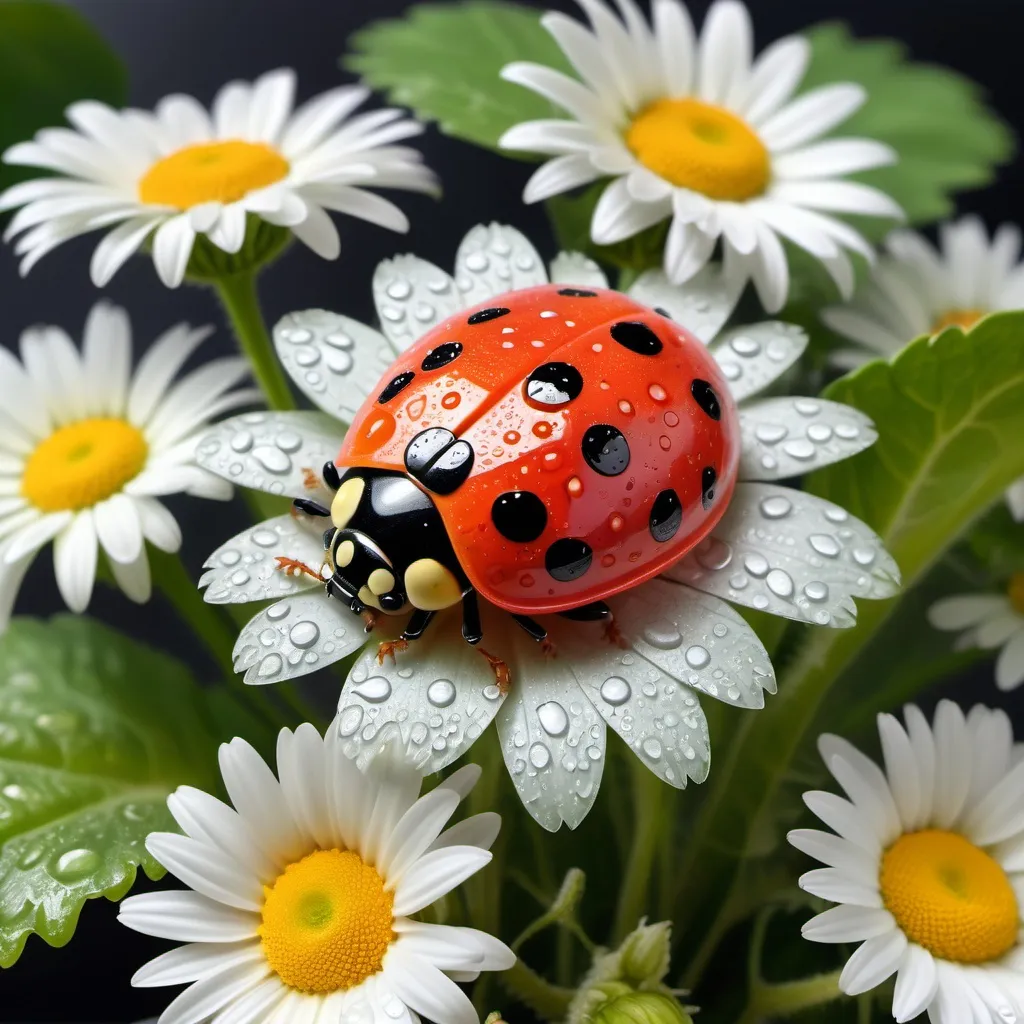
[834,157]
[547,734]
[318,232]
[846,819]
[495,258]
[849,924]
[196,960]
[832,884]
[811,115]
[676,42]
[837,853]
[296,636]
[1010,663]
[478,830]
[133,577]
[806,560]
[786,437]
[207,871]
[724,56]
[425,989]
[186,917]
[774,78]
[333,359]
[172,246]
[916,984]
[412,296]
[754,356]
[702,305]
[873,962]
[435,874]
[951,751]
[559,175]
[575,268]
[247,567]
[118,528]
[902,770]
[416,832]
[436,697]
[208,995]
[955,613]
[247,450]
[74,560]
[118,246]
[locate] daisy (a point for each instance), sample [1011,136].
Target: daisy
[169,176]
[927,865]
[699,133]
[87,447]
[775,549]
[301,898]
[916,289]
[988,621]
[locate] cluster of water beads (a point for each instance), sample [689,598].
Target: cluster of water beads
[756,362]
[826,562]
[821,432]
[255,450]
[246,568]
[433,713]
[281,642]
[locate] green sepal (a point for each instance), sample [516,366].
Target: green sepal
[95,731]
[263,243]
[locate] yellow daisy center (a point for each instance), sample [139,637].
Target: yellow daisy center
[701,147]
[1015,592]
[965,318]
[211,171]
[327,922]
[83,463]
[949,896]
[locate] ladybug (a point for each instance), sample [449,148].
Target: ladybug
[545,452]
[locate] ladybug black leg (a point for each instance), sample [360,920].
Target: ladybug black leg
[471,631]
[417,624]
[311,508]
[537,632]
[596,611]
[331,476]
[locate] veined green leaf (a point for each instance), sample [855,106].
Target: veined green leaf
[933,117]
[95,731]
[49,57]
[443,61]
[950,416]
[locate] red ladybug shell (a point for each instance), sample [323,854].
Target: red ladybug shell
[583,480]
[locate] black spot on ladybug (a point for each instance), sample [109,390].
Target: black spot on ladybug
[577,293]
[481,316]
[519,516]
[399,383]
[637,337]
[438,461]
[704,395]
[568,559]
[666,515]
[554,384]
[605,449]
[441,356]
[708,478]
[662,311]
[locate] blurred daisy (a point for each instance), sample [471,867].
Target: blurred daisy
[699,133]
[181,171]
[916,289]
[927,865]
[301,898]
[989,621]
[774,549]
[87,447]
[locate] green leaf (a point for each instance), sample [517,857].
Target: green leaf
[935,118]
[443,60]
[49,57]
[950,415]
[95,731]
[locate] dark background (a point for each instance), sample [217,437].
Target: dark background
[195,46]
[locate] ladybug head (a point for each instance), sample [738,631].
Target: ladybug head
[362,573]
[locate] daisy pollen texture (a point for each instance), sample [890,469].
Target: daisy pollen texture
[699,133]
[87,447]
[302,897]
[926,861]
[168,176]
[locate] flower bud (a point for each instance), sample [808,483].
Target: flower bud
[644,954]
[631,1007]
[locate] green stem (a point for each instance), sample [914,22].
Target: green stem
[549,1001]
[788,998]
[237,293]
[211,624]
[647,798]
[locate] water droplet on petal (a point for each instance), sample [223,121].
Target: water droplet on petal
[540,756]
[553,718]
[272,459]
[652,748]
[304,634]
[776,507]
[697,656]
[615,690]
[376,690]
[271,665]
[825,544]
[780,583]
[441,693]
